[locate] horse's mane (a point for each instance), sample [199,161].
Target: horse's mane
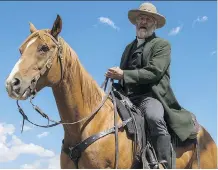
[92,94]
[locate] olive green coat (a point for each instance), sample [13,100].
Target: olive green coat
[154,70]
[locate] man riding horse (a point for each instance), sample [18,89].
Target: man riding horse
[145,78]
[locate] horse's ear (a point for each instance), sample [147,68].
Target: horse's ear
[32,28]
[57,27]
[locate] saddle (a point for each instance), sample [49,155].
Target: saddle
[145,156]
[144,152]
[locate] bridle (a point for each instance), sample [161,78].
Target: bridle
[34,81]
[32,87]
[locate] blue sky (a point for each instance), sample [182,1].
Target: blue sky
[98,32]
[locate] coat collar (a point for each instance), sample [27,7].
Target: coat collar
[130,46]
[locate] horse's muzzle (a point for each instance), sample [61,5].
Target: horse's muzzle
[15,90]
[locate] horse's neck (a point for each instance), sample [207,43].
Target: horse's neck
[76,96]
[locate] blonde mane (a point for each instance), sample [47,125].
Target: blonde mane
[91,92]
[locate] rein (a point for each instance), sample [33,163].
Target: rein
[55,123]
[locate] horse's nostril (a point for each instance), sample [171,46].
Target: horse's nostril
[15,82]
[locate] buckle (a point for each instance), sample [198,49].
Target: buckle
[74,153]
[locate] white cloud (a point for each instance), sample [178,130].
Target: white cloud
[54,162]
[5,129]
[44,134]
[11,149]
[50,163]
[175,31]
[200,20]
[213,52]
[35,165]
[108,22]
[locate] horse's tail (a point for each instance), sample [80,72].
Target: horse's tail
[208,151]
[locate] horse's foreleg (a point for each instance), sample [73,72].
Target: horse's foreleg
[65,162]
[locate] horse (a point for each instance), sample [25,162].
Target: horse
[47,60]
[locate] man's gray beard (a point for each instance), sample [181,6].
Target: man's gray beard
[146,34]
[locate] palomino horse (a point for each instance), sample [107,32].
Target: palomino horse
[42,64]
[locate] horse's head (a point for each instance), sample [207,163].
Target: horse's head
[40,63]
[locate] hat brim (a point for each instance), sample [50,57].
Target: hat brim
[132,14]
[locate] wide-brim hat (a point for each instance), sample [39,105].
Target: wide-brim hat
[147,9]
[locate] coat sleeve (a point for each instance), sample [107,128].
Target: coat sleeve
[155,68]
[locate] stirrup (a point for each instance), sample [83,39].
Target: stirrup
[163,163]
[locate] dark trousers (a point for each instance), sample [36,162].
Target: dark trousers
[153,112]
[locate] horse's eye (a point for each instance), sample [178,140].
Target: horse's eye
[44,48]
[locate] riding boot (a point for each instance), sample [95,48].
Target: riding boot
[162,146]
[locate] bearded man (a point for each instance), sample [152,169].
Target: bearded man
[145,78]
